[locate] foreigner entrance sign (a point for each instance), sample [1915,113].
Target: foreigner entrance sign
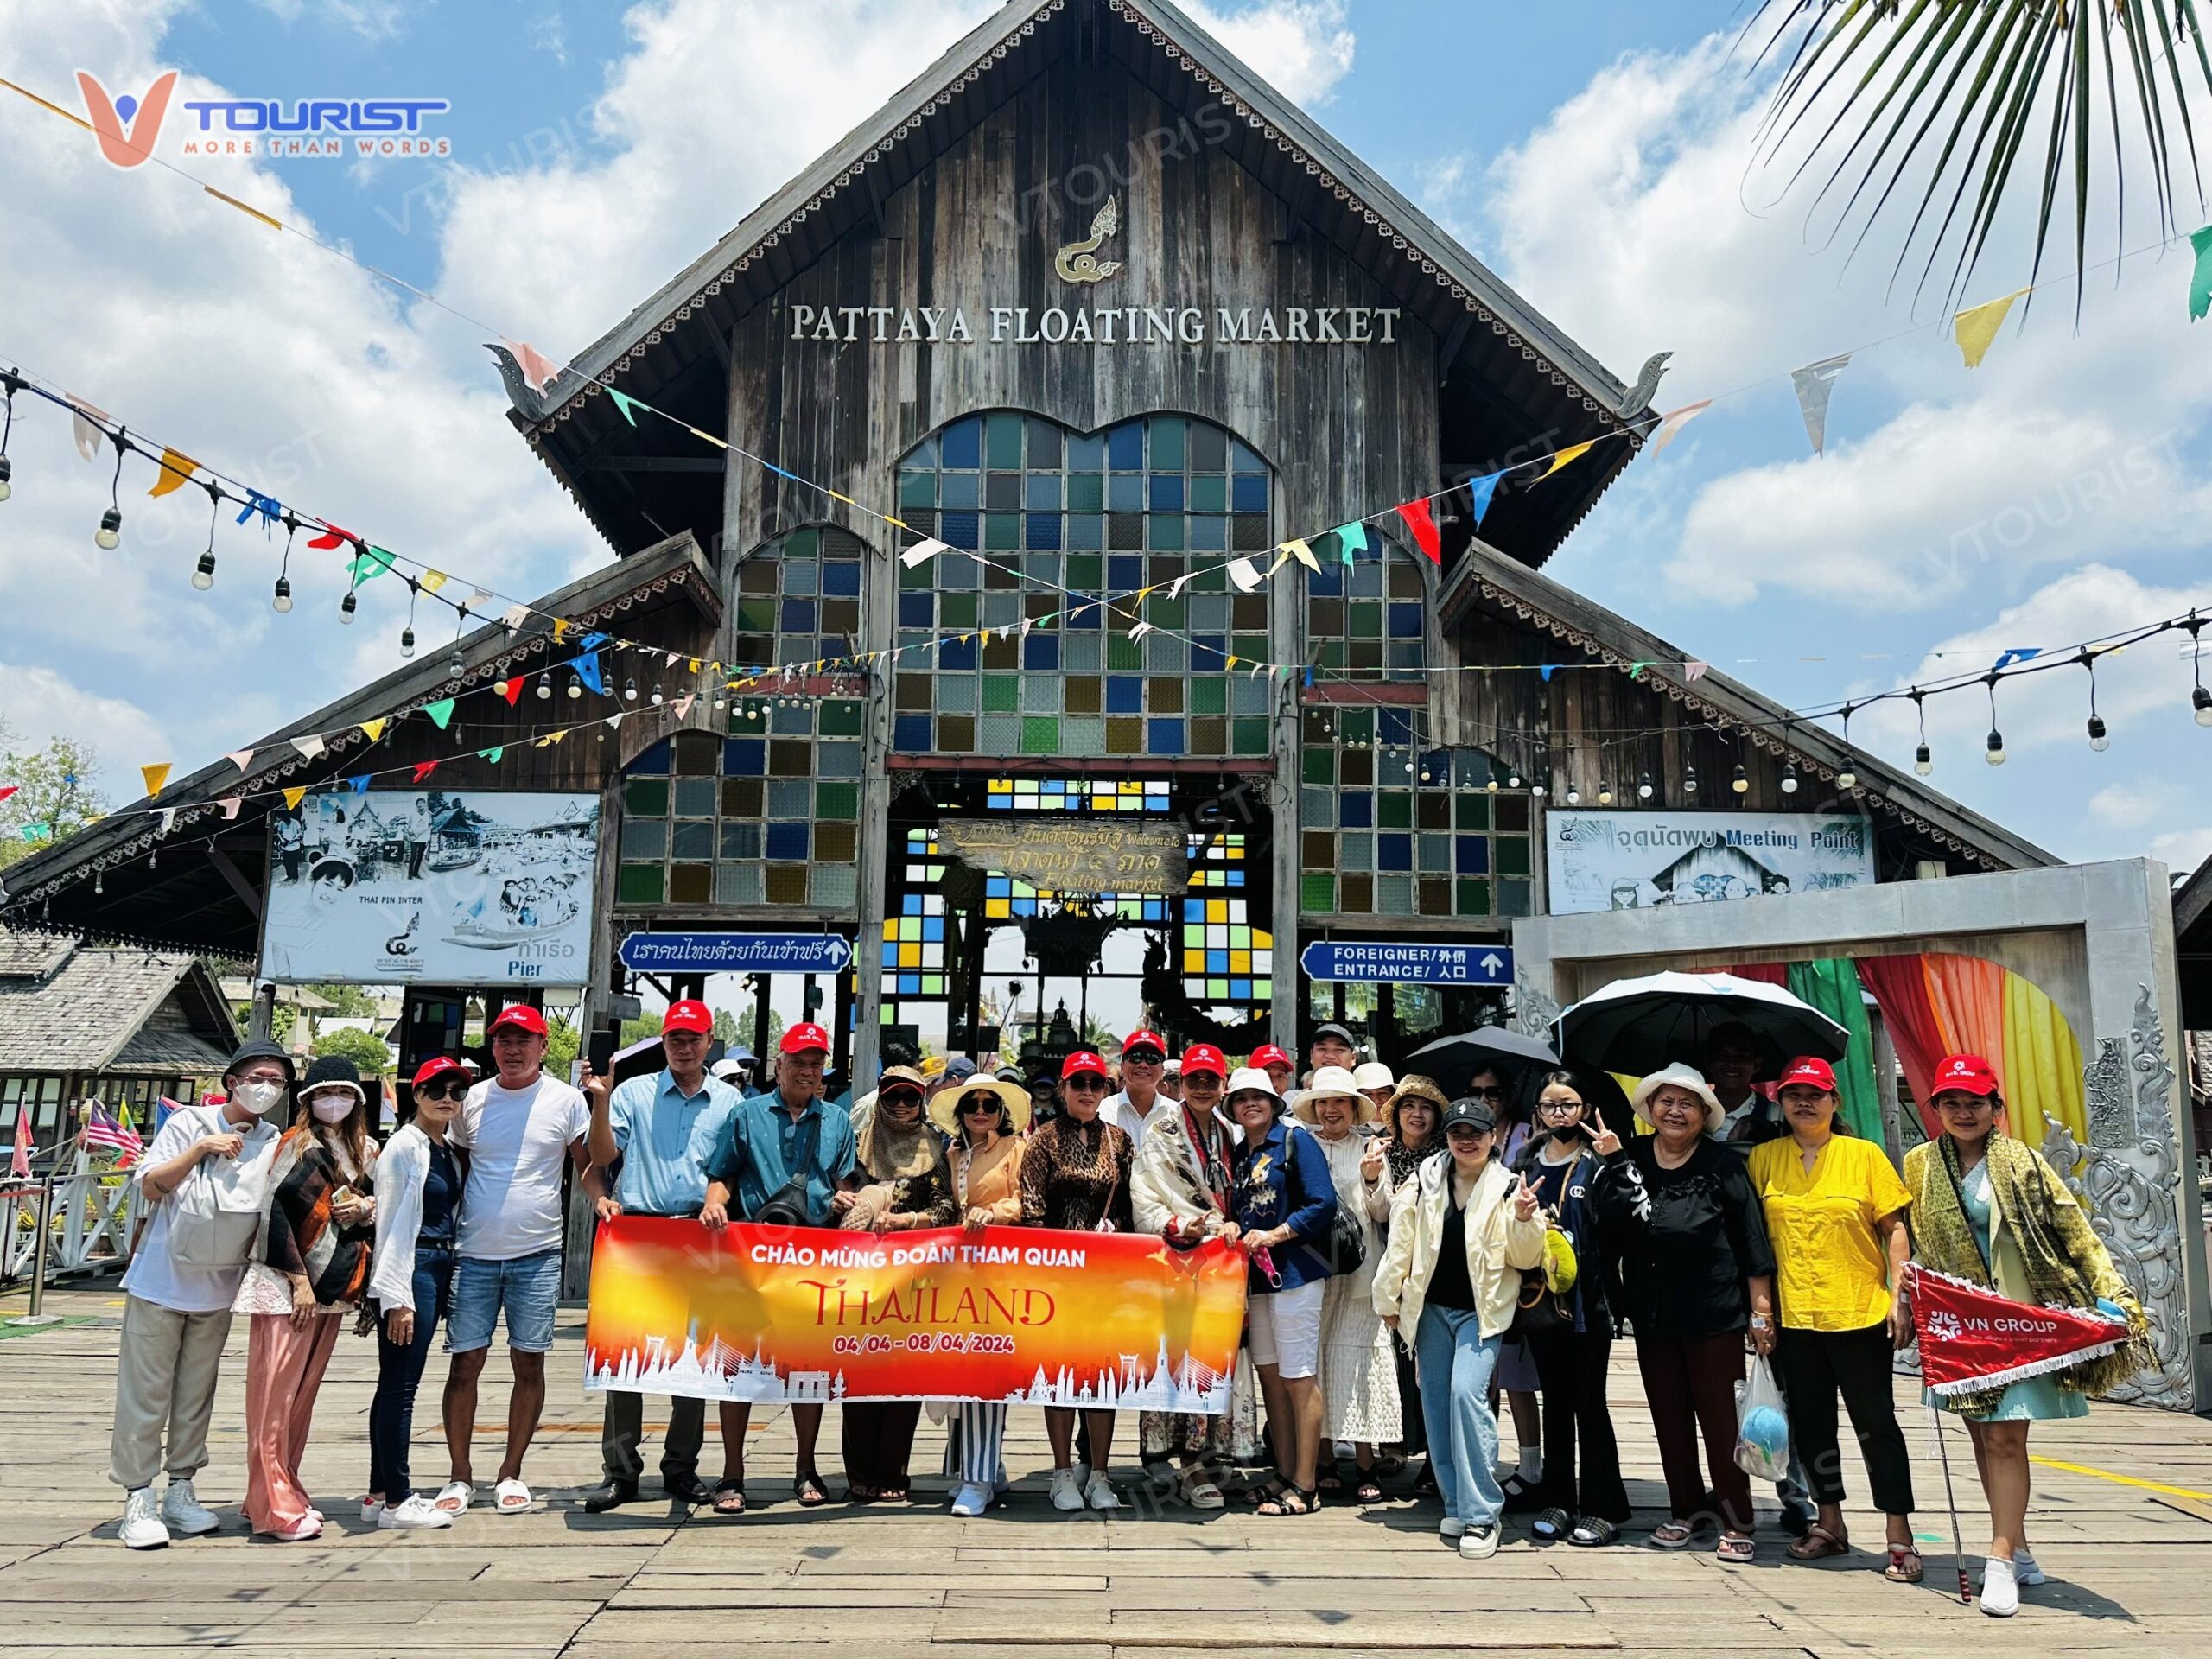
[713,952]
[1407,964]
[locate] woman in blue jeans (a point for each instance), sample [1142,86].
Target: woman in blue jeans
[411,1279]
[1461,1234]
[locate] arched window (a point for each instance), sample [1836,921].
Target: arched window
[1060,518]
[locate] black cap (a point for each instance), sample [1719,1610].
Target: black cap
[261,1050]
[1478,1115]
[1335,1031]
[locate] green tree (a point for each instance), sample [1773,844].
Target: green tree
[57,792]
[347,1001]
[365,1049]
[564,1042]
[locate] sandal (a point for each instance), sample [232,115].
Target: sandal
[1293,1501]
[1388,1466]
[1552,1523]
[1270,1491]
[1817,1545]
[453,1496]
[1593,1532]
[511,1496]
[1905,1565]
[729,1498]
[1368,1492]
[807,1487]
[1674,1534]
[1735,1547]
[1198,1490]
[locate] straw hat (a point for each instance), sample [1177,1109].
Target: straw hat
[1413,1086]
[944,1105]
[1679,1075]
[1331,1081]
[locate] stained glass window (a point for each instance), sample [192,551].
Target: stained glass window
[1082,517]
[768,813]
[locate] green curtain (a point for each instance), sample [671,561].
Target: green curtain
[1831,984]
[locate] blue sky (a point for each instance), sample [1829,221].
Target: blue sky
[1594,155]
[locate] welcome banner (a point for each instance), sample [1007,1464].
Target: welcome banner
[1012,1313]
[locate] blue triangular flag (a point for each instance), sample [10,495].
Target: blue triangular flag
[1480,490]
[588,670]
[359,782]
[1546,670]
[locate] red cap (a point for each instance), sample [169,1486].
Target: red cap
[1969,1072]
[1143,1040]
[1268,1054]
[519,1014]
[436,1067]
[688,1015]
[802,1037]
[1204,1057]
[1081,1060]
[1807,1069]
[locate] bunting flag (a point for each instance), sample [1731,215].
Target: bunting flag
[2200,279]
[309,746]
[359,782]
[1175,588]
[368,564]
[623,405]
[614,722]
[373,727]
[493,754]
[1547,669]
[85,427]
[268,506]
[6,790]
[242,759]
[35,831]
[1815,384]
[588,670]
[1672,422]
[155,776]
[1422,523]
[1480,492]
[1566,457]
[683,705]
[1975,328]
[551,737]
[1693,672]
[1304,554]
[294,796]
[434,580]
[923,551]
[1351,540]
[514,616]
[560,626]
[1245,575]
[423,769]
[176,471]
[332,539]
[230,804]
[539,369]
[1282,557]
[1141,630]
[440,712]
[511,690]
[2015,654]
[167,818]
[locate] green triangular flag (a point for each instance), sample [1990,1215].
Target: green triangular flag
[1351,539]
[368,566]
[2200,280]
[493,754]
[440,712]
[625,405]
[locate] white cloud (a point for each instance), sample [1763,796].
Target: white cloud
[2131,805]
[1300,47]
[43,705]
[2182,850]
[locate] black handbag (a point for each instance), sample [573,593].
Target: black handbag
[786,1205]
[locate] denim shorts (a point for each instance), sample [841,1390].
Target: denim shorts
[528,1288]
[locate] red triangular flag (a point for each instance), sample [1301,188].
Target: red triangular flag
[332,539]
[511,690]
[1423,526]
[423,769]
[1971,1340]
[6,790]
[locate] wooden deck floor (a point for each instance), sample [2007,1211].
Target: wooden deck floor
[2132,1568]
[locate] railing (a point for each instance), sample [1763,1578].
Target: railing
[66,1225]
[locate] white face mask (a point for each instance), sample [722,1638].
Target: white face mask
[332,1107]
[259,1098]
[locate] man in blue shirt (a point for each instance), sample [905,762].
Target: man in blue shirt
[659,1129]
[784,1152]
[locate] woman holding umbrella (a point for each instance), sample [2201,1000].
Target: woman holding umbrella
[1986,1209]
[1835,1211]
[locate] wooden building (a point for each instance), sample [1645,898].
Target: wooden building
[1095,308]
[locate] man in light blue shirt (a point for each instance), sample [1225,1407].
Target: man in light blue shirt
[659,1128]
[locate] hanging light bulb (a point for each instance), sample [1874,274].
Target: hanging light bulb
[1604,793]
[99,879]
[407,640]
[1490,783]
[346,607]
[1847,778]
[6,472]
[1513,778]
[1993,749]
[1789,777]
[109,535]
[1923,761]
[8,384]
[1537,790]
[1644,789]
[203,574]
[407,633]
[545,686]
[656,698]
[1740,780]
[1573,796]
[1689,781]
[629,691]
[456,664]
[2100,740]
[575,687]
[281,600]
[2199,698]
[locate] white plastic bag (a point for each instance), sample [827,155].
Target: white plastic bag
[1762,1424]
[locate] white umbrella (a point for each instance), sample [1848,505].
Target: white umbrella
[1636,1026]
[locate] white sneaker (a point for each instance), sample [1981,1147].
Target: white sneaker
[1066,1490]
[1478,1543]
[372,1510]
[184,1512]
[971,1500]
[1100,1493]
[2000,1593]
[2025,1572]
[414,1513]
[307,1526]
[143,1527]
[1452,1529]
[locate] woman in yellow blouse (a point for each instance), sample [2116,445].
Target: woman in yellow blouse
[1836,1215]
[986,1120]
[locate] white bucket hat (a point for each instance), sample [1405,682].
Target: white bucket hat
[1679,1075]
[1251,1077]
[1372,1075]
[1331,1080]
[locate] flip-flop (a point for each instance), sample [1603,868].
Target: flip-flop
[1905,1565]
[455,1496]
[1736,1546]
[807,1487]
[1818,1544]
[511,1496]
[729,1498]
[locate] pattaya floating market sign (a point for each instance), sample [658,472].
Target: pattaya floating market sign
[1117,324]
[1075,857]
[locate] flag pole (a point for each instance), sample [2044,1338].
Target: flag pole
[1950,1497]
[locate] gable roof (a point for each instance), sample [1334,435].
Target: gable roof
[689,318]
[99,1008]
[1485,575]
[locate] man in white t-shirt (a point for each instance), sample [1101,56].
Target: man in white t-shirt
[517,1128]
[1144,1061]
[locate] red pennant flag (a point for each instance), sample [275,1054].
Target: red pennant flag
[423,769]
[6,790]
[1423,524]
[1971,1340]
[333,539]
[511,690]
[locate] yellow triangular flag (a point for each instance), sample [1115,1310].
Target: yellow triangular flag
[294,797]
[1976,328]
[177,468]
[694,665]
[373,727]
[1230,664]
[434,580]
[1573,452]
[1282,557]
[559,629]
[1303,554]
[155,777]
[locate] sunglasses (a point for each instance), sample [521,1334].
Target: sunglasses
[1085,1080]
[900,1097]
[1143,1057]
[986,1108]
[1495,1092]
[457,1090]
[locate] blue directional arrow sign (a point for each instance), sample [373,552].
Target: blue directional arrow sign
[713,952]
[1407,964]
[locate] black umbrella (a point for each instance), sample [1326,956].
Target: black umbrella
[1637,1026]
[1452,1062]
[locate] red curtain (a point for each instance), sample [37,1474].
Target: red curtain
[1772,973]
[1900,984]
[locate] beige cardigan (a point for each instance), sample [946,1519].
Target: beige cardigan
[1500,1244]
